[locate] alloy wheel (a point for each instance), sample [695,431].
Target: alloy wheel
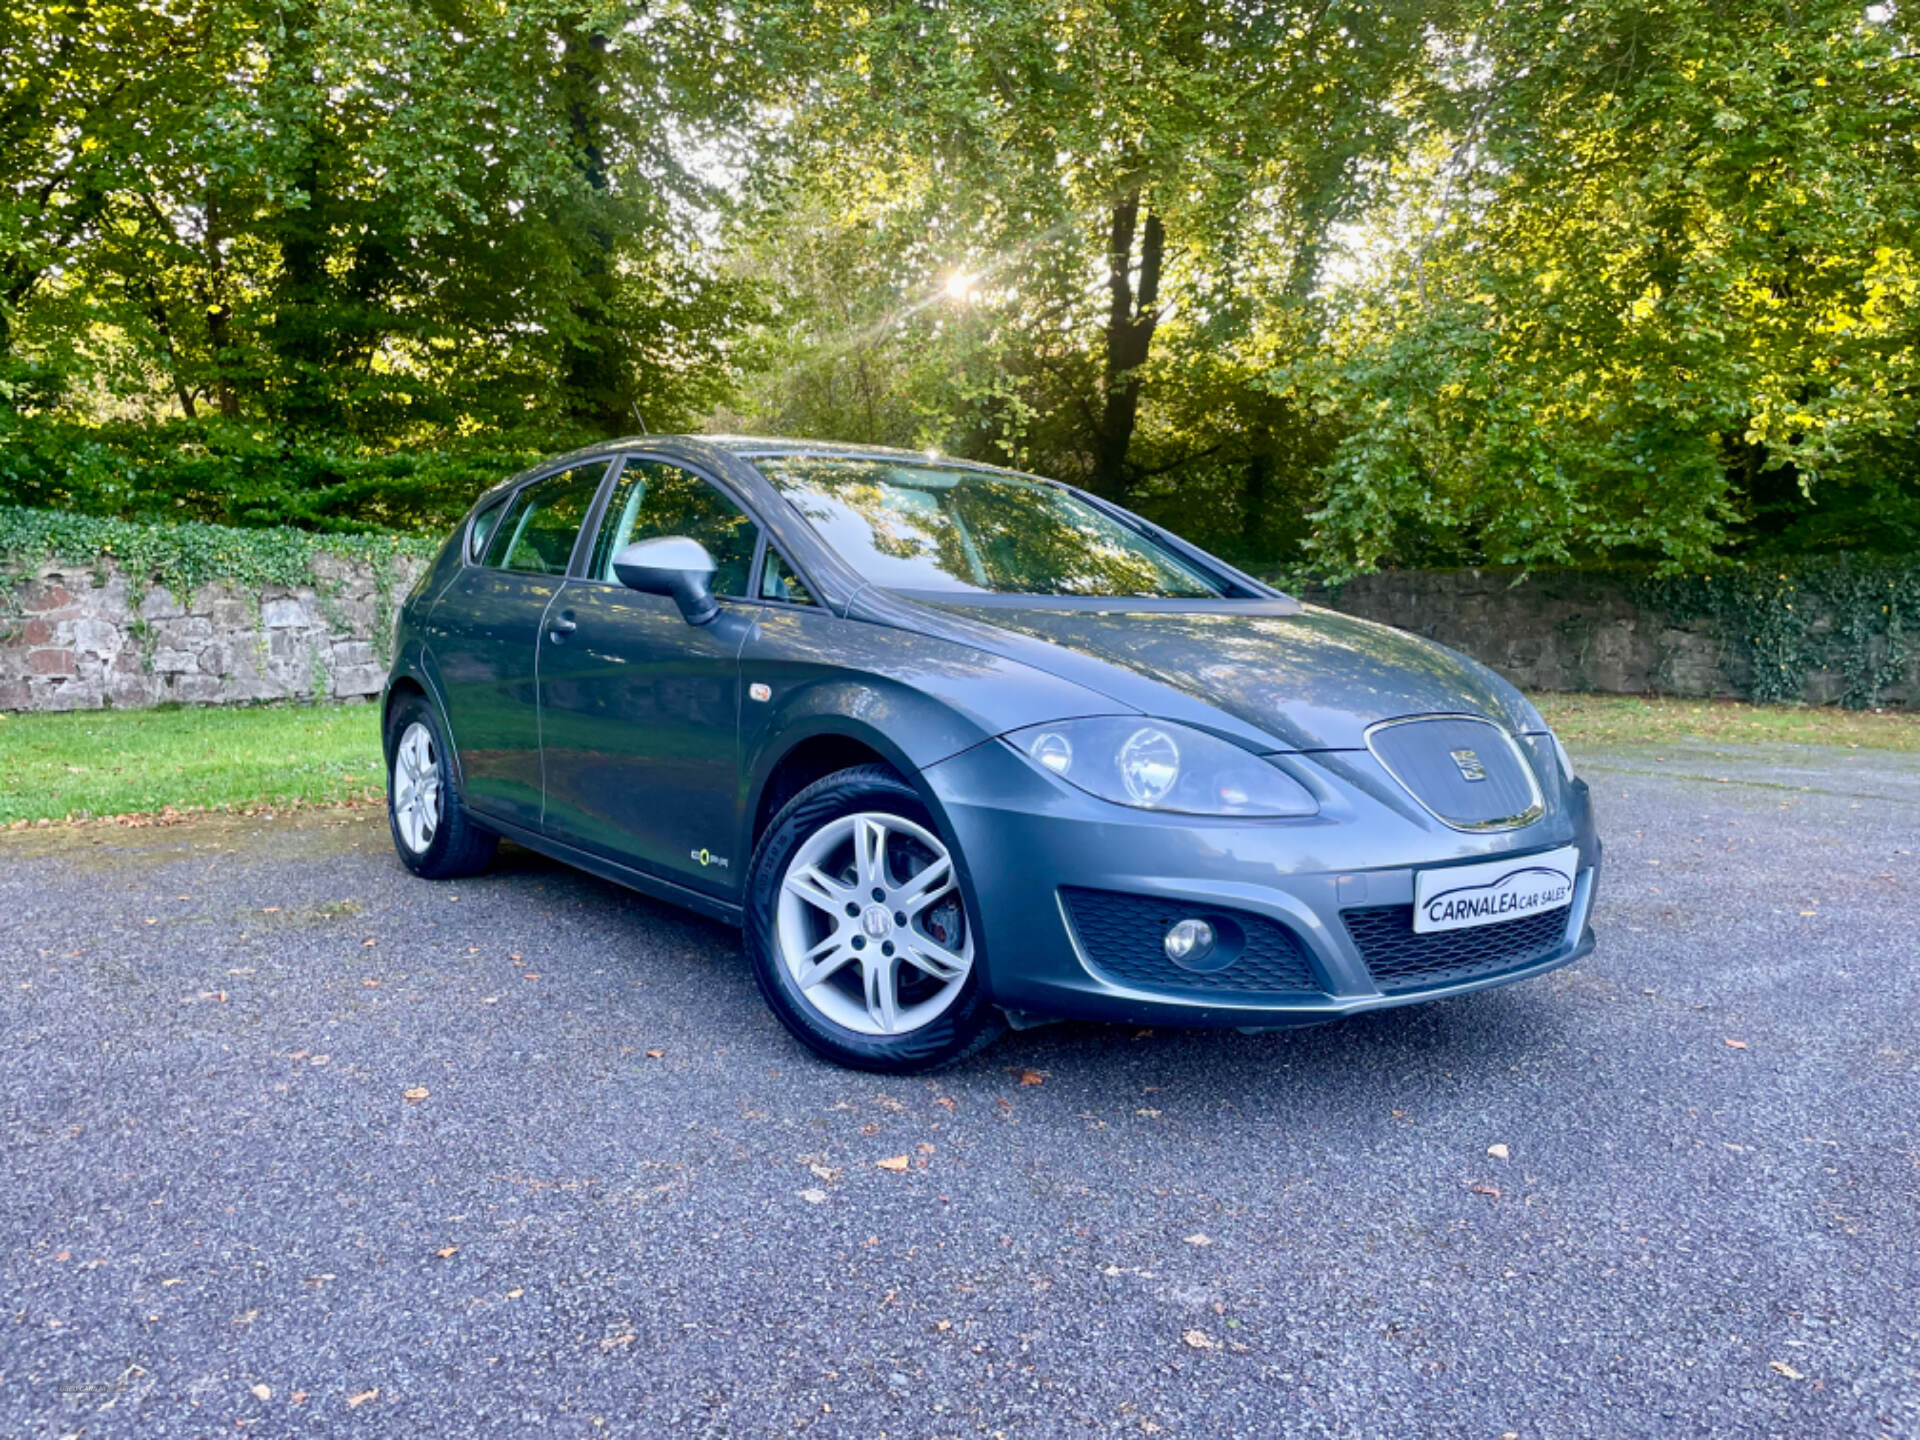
[416,788]
[870,924]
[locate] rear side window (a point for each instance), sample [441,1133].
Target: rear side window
[652,499]
[537,534]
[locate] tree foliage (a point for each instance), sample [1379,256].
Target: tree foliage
[351,225]
[1321,282]
[1653,290]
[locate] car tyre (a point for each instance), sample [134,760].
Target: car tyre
[435,835]
[943,1014]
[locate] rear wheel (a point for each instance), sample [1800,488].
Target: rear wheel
[432,831]
[859,931]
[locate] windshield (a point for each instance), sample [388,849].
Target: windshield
[910,526]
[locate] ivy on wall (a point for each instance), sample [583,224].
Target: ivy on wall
[183,557]
[1777,625]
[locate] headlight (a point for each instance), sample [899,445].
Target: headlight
[1154,765]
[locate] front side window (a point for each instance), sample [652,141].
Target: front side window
[482,530]
[778,582]
[652,499]
[912,526]
[537,533]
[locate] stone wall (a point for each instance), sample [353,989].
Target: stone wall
[1570,632]
[74,637]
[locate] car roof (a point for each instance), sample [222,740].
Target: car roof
[767,447]
[750,448]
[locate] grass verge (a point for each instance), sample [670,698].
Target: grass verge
[118,762]
[141,762]
[1630,720]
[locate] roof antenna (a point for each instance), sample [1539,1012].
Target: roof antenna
[639,417]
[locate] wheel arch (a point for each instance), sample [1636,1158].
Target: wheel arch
[409,680]
[815,755]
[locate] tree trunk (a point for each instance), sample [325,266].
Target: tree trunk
[1132,314]
[595,372]
[226,395]
[1256,497]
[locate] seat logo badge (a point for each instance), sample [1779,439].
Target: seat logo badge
[1469,763]
[757,691]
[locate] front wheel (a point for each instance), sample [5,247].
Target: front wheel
[859,931]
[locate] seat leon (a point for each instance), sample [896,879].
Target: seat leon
[956,746]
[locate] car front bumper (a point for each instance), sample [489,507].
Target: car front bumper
[1035,850]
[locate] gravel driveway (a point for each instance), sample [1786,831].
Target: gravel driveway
[295,1143]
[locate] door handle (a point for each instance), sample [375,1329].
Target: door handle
[563,627]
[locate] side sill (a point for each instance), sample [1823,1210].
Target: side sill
[627,875]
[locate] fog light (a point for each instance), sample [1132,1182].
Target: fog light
[1188,940]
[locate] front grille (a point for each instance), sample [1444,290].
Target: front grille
[1401,960]
[1468,772]
[1122,935]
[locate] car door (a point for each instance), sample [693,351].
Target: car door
[639,709]
[484,635]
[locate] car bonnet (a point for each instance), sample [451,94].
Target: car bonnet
[1300,677]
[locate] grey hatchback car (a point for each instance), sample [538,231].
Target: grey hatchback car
[957,746]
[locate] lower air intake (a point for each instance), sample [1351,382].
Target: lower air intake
[1122,938]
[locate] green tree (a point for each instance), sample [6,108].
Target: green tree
[1645,286]
[1114,174]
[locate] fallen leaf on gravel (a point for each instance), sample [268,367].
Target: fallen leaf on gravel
[417,1094]
[1491,1191]
[1150,1114]
[248,1318]
[354,1402]
[448,1253]
[1498,1152]
[626,1337]
[814,1197]
[262,1392]
[515,1294]
[1197,1239]
[1736,1044]
[320,1059]
[823,1172]
[299,1397]
[531,975]
[1781,1367]
[513,957]
[366,942]
[271,910]
[1197,1340]
[1032,1077]
[895,1163]
[655,1054]
[946,1102]
[924,1148]
[370,984]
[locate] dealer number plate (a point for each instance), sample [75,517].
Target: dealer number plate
[1464,895]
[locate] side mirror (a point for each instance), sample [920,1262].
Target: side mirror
[671,565]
